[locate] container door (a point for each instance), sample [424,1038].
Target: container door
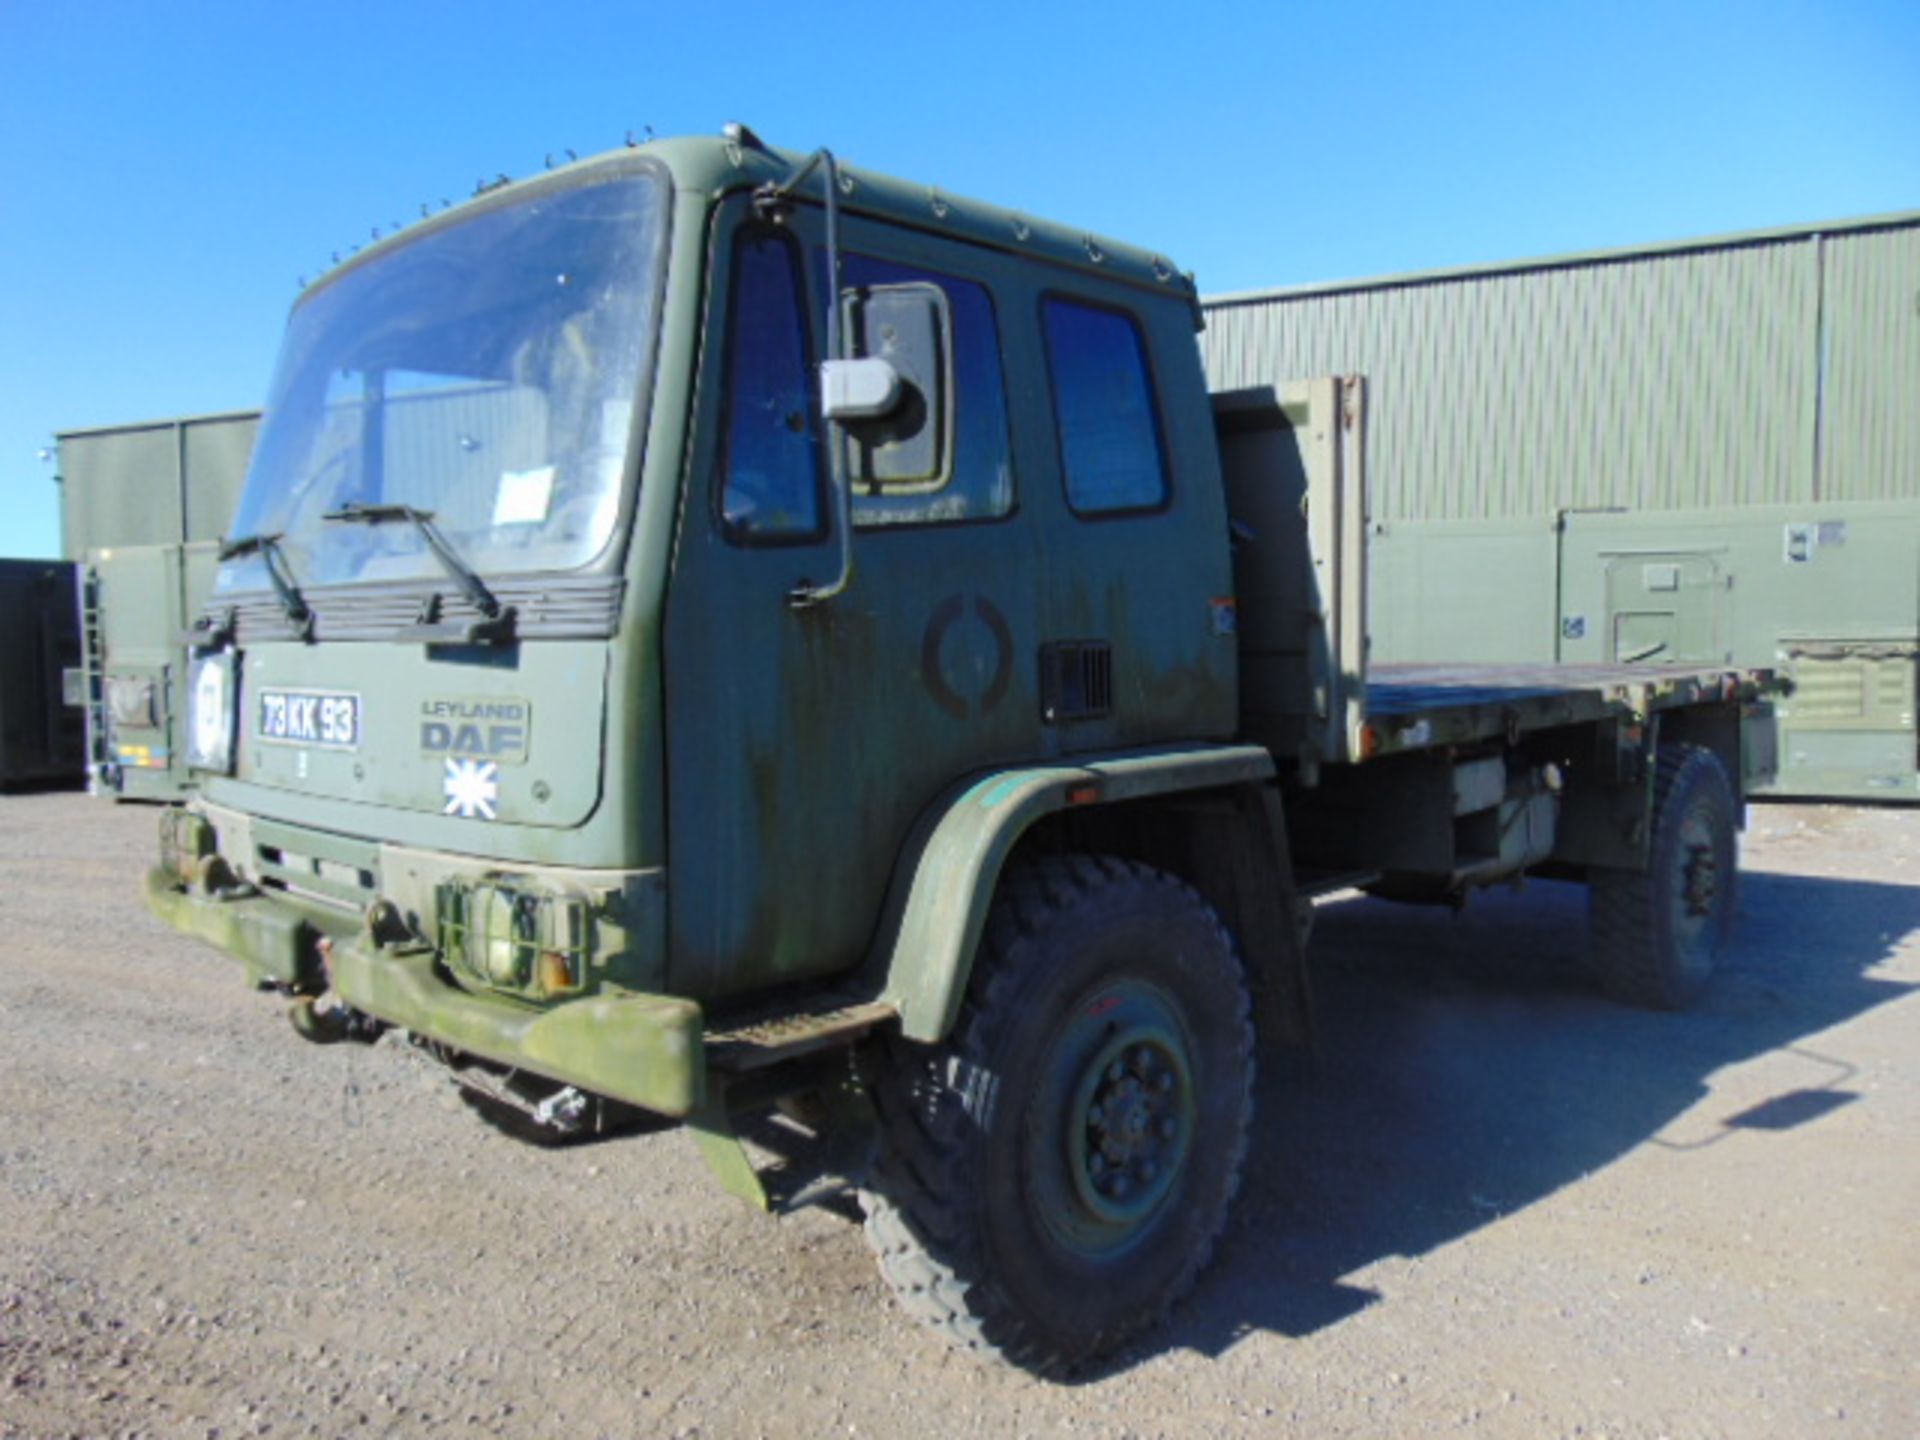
[1632,596]
[140,652]
[1667,609]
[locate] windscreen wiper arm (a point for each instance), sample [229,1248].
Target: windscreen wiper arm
[273,559]
[449,558]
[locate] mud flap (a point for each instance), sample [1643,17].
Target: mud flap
[806,1168]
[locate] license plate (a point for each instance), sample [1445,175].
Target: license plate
[310,717]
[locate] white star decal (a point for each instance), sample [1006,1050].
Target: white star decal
[472,787]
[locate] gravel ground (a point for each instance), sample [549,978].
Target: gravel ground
[1492,1203]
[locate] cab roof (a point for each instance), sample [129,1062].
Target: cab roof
[712,166]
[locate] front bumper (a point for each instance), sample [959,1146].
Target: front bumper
[646,1050]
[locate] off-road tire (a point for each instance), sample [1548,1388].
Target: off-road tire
[986,1208]
[1657,933]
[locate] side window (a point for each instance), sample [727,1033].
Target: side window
[981,484]
[1103,405]
[771,488]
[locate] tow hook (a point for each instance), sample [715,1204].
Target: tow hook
[566,1111]
[327,1020]
[528,1105]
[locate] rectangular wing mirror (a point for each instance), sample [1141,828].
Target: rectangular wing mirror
[904,332]
[856,390]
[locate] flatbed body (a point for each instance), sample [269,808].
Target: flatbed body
[1293,465]
[1420,706]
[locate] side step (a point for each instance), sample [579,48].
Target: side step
[758,1041]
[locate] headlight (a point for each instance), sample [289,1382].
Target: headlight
[513,936]
[210,713]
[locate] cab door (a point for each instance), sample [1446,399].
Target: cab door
[1141,647]
[803,741]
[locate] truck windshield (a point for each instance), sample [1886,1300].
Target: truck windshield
[488,372]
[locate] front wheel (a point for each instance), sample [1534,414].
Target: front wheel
[1658,932]
[1057,1172]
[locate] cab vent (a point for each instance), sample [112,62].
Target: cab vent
[1076,680]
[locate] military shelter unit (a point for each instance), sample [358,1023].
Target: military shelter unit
[41,738]
[143,507]
[1702,452]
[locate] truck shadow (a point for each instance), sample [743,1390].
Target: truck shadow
[1468,1067]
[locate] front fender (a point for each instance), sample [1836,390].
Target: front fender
[951,867]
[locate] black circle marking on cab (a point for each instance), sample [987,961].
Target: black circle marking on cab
[938,623]
[991,617]
[945,615]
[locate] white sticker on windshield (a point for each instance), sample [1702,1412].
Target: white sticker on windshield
[523,496]
[616,418]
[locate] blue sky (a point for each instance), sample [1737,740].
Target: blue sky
[167,172]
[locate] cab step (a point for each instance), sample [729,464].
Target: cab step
[757,1041]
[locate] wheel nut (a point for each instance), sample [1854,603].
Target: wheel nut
[1167,1127]
[1165,1082]
[1121,1186]
[1148,1170]
[1143,1060]
[1115,1071]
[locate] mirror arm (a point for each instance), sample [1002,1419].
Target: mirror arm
[806,595]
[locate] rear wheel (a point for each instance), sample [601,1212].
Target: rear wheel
[1056,1174]
[1658,932]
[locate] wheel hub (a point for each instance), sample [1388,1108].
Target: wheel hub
[1701,883]
[1130,1123]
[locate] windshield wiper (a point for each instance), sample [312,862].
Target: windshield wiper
[498,624]
[273,559]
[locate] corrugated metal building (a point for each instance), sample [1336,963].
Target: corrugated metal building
[1701,450]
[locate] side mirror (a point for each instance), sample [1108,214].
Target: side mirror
[904,332]
[856,390]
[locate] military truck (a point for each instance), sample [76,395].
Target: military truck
[716,633]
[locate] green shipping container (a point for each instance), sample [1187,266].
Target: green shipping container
[41,736]
[142,509]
